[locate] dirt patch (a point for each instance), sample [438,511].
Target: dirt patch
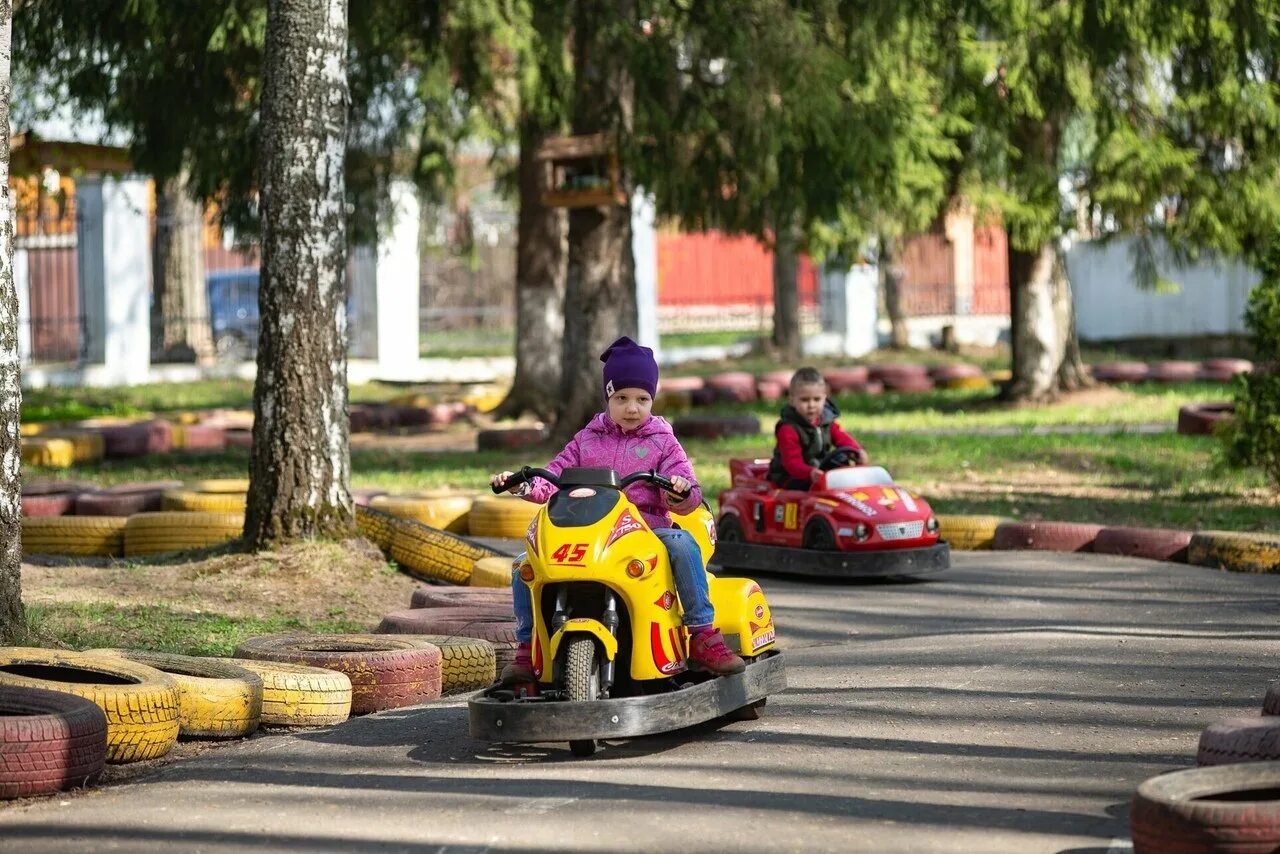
[309,581]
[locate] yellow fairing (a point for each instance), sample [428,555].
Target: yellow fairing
[742,615]
[702,525]
[584,553]
[582,625]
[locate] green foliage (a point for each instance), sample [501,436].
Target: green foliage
[1254,436]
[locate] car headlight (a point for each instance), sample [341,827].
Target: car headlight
[861,531]
[932,525]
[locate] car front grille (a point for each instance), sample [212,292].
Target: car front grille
[900,530]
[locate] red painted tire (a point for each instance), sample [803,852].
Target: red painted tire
[1202,419]
[842,380]
[782,378]
[385,673]
[766,390]
[681,384]
[462,597]
[908,384]
[50,486]
[1227,367]
[510,438]
[107,504]
[869,387]
[1244,739]
[239,438]
[204,437]
[49,741]
[1173,372]
[362,497]
[1208,809]
[897,371]
[462,622]
[716,426]
[55,504]
[135,440]
[1120,372]
[1151,543]
[1045,536]
[410,416]
[955,372]
[737,386]
[358,419]
[444,413]
[1271,702]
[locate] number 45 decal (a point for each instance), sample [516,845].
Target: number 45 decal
[569,553]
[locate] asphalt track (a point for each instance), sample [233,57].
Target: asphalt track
[1012,703]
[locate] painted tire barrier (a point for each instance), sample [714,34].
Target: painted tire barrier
[965,383]
[448,511]
[53,486]
[841,380]
[297,695]
[1271,702]
[735,386]
[458,622]
[491,573]
[87,446]
[1202,419]
[49,453]
[135,440]
[141,703]
[53,504]
[465,597]
[1244,739]
[1173,372]
[511,438]
[1120,372]
[49,741]
[465,663]
[124,499]
[681,384]
[958,371]
[1235,552]
[385,673]
[770,391]
[1208,809]
[199,437]
[1223,370]
[376,527]
[158,533]
[783,378]
[215,699]
[89,536]
[970,533]
[240,439]
[504,516]
[187,501]
[1047,536]
[430,554]
[1152,543]
[363,497]
[715,426]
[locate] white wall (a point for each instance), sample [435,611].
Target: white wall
[1109,305]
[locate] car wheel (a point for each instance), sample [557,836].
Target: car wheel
[819,536]
[729,529]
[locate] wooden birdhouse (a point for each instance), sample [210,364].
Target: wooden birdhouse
[581,172]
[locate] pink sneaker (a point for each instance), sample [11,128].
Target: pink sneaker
[520,670]
[708,651]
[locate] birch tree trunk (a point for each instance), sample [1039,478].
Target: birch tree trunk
[540,286]
[300,472]
[12,620]
[1046,353]
[600,293]
[181,329]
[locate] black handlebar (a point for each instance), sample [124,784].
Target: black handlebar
[528,473]
[659,480]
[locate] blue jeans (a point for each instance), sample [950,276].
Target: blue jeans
[686,565]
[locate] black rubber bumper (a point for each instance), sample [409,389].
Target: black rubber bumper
[731,558]
[537,720]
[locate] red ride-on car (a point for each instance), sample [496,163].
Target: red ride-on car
[853,522]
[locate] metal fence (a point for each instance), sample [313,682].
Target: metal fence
[50,305]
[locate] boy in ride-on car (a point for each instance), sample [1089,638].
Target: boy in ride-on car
[806,432]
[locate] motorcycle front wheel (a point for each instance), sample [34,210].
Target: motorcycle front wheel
[582,683]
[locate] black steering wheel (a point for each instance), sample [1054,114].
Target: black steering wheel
[838,458]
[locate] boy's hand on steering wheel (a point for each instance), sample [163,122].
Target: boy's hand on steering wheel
[861,457]
[678,485]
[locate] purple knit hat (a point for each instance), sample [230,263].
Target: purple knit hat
[628,365]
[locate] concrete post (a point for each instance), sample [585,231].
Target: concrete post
[958,226]
[848,312]
[114,252]
[644,246]
[397,281]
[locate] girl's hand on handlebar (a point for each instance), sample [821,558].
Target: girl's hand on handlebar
[500,480]
[679,490]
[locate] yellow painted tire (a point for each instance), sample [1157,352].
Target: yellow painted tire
[447,511]
[222,486]
[425,552]
[376,526]
[74,535]
[295,695]
[965,383]
[51,453]
[142,713]
[969,533]
[491,572]
[485,398]
[87,446]
[502,516]
[215,699]
[1235,552]
[417,401]
[157,533]
[39,428]
[208,502]
[465,663]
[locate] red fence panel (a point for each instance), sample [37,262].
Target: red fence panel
[710,268]
[927,286]
[990,271]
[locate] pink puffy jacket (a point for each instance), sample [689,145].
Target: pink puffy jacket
[652,445]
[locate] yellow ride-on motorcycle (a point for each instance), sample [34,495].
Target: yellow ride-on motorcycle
[609,646]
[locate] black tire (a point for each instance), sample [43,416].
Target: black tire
[729,529]
[818,536]
[1223,808]
[582,684]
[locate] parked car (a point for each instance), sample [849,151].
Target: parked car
[233,310]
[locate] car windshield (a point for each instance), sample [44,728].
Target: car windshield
[855,476]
